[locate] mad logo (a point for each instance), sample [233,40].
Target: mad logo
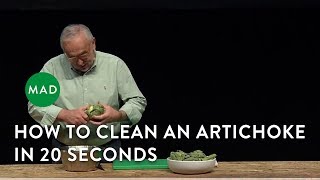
[42,89]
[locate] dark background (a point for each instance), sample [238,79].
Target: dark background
[197,63]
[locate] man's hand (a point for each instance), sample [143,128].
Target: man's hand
[75,116]
[109,115]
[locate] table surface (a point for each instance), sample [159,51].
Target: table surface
[243,169]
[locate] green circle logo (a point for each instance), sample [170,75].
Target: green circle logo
[42,89]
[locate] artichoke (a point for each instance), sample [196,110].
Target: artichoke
[193,159]
[196,155]
[212,156]
[178,155]
[94,110]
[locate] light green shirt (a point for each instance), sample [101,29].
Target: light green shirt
[108,81]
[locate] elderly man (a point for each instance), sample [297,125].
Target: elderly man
[87,76]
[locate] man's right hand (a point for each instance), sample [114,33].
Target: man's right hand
[75,116]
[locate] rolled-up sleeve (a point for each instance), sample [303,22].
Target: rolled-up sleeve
[44,115]
[134,101]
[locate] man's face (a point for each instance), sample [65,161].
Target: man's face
[80,51]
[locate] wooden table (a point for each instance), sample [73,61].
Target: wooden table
[256,169]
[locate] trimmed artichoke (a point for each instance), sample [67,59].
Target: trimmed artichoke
[196,155]
[179,155]
[212,156]
[94,110]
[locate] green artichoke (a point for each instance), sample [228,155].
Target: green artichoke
[212,156]
[179,155]
[196,155]
[94,110]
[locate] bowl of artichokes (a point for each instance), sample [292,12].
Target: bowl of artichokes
[196,162]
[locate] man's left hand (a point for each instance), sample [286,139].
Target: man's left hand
[109,115]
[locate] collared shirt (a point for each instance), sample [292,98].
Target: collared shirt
[108,81]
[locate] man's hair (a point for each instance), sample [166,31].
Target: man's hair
[74,30]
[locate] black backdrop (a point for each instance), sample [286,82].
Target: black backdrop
[195,66]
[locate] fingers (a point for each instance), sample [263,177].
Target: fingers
[100,117]
[83,121]
[83,118]
[96,122]
[78,121]
[83,108]
[84,115]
